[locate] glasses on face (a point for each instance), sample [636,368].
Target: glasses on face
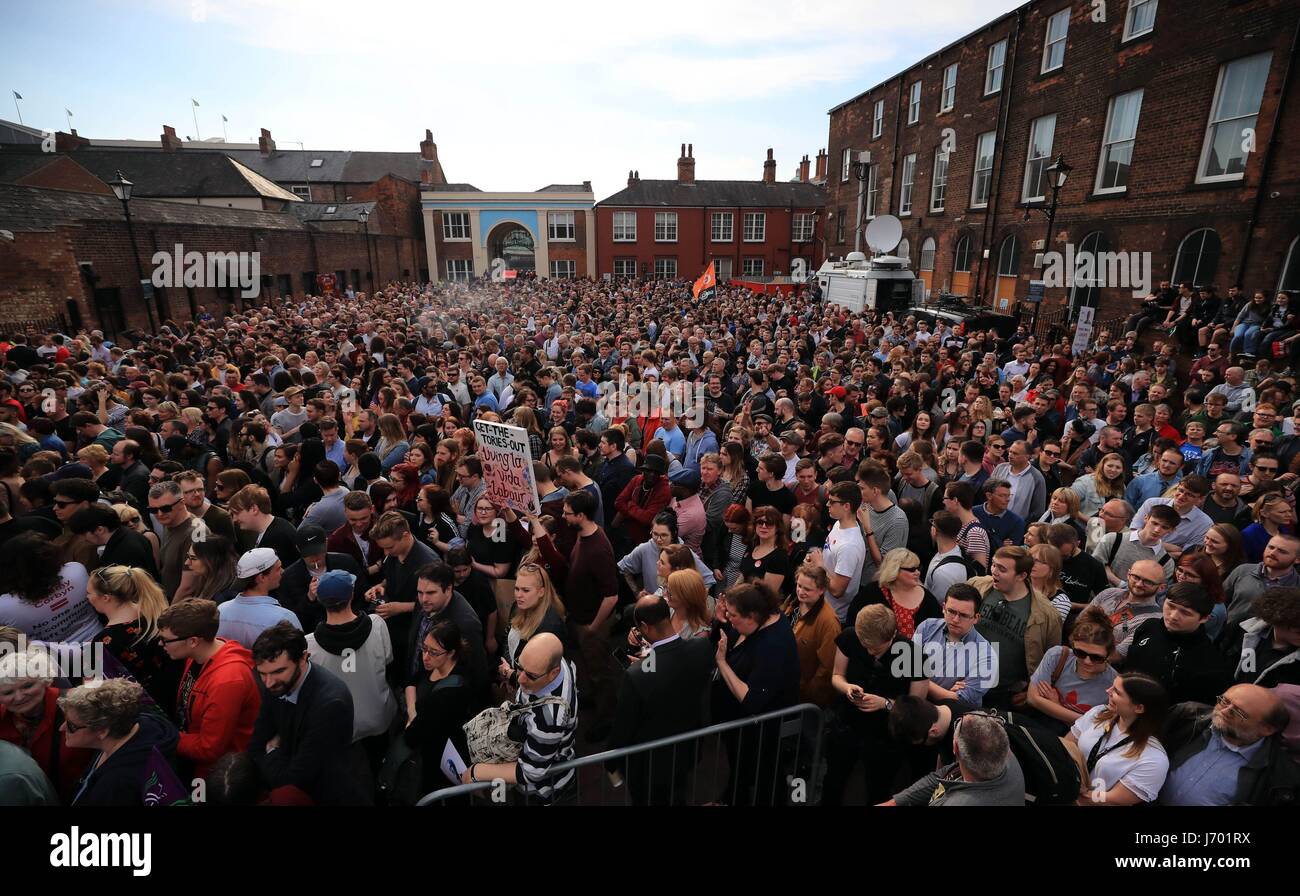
[70,726]
[998,446]
[763,524]
[912,569]
[531,676]
[957,614]
[166,508]
[1136,579]
[1231,708]
[65,503]
[1047,453]
[172,640]
[429,651]
[1085,656]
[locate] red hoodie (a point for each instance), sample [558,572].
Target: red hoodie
[223,706]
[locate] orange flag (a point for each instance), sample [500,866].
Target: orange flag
[706,286]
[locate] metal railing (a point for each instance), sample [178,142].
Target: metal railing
[770,759]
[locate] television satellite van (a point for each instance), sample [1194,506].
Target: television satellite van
[884,282]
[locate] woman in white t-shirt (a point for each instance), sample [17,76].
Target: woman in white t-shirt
[46,600]
[1116,744]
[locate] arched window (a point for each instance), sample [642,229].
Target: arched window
[961,256]
[1086,283]
[904,250]
[927,254]
[1198,258]
[1290,279]
[1009,258]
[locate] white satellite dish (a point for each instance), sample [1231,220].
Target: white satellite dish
[884,233]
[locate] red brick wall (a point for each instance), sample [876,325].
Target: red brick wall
[62,173]
[1177,65]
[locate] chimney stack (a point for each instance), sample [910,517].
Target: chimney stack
[686,164]
[769,168]
[265,145]
[170,142]
[821,164]
[803,170]
[428,159]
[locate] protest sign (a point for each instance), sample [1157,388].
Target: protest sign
[507,466]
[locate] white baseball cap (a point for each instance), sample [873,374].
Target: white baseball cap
[255,562]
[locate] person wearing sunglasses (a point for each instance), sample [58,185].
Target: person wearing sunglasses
[1274,515]
[898,587]
[218,698]
[1071,679]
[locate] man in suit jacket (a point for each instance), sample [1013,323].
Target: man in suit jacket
[302,742]
[662,695]
[295,584]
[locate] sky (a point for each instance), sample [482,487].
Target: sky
[518,96]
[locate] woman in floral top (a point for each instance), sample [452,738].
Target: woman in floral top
[132,602]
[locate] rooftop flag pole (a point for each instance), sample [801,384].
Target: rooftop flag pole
[17,97]
[68,112]
[196,118]
[224,135]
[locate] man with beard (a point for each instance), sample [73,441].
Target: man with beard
[1231,754]
[302,741]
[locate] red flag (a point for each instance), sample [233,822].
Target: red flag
[706,286]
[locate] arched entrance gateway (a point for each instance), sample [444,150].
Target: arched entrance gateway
[513,244]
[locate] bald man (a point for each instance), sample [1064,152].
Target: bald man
[1231,754]
[548,684]
[1131,603]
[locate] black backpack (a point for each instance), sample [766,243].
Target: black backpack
[401,776]
[1051,775]
[971,569]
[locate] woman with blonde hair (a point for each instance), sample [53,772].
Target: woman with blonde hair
[559,445]
[1045,578]
[131,602]
[1103,484]
[95,457]
[13,437]
[392,446]
[898,586]
[131,518]
[981,409]
[688,598]
[1064,508]
[537,608]
[193,418]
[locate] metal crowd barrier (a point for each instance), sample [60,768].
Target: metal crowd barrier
[771,759]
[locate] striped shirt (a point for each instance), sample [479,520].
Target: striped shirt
[549,734]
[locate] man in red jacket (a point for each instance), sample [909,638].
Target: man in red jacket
[643,498]
[218,700]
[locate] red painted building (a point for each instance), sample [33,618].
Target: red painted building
[674,228]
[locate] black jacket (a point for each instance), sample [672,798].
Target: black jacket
[315,734]
[664,696]
[122,779]
[1189,666]
[1271,778]
[129,548]
[296,580]
[134,480]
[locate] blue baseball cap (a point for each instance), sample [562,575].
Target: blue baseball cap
[334,588]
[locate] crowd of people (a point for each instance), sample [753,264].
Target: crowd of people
[253,557]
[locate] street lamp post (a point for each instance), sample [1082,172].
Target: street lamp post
[364,214]
[122,189]
[1057,173]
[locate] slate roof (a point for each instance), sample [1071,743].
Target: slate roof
[187,173]
[27,209]
[16,165]
[319,211]
[566,188]
[736,193]
[451,188]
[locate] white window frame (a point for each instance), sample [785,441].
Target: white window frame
[845,162]
[1129,17]
[665,224]
[563,269]
[878,119]
[840,218]
[722,227]
[802,228]
[1014,244]
[904,250]
[624,223]
[1196,280]
[975,201]
[303,190]
[723,267]
[666,268]
[1110,142]
[1050,43]
[624,263]
[948,96]
[931,251]
[755,223]
[1214,122]
[751,266]
[956,255]
[907,181]
[558,224]
[873,188]
[1031,159]
[460,270]
[914,103]
[455,227]
[939,182]
[999,69]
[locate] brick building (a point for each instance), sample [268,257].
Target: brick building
[674,228]
[1180,122]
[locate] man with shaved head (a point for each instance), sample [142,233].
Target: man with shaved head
[1230,754]
[549,686]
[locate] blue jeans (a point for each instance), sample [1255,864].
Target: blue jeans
[1245,339]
